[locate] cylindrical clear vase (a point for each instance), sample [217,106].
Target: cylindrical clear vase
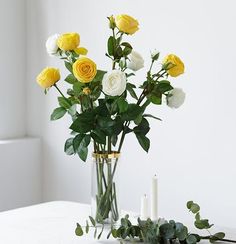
[105,189]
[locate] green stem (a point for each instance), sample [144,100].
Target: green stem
[209,237]
[151,66]
[59,91]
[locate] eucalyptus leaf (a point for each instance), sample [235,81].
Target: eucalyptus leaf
[79,230]
[92,220]
[167,231]
[87,227]
[217,236]
[191,239]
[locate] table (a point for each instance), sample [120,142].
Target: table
[50,223]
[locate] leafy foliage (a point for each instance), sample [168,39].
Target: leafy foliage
[154,232]
[96,116]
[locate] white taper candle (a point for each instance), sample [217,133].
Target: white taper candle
[144,208]
[154,207]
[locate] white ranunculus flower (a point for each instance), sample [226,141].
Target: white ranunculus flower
[135,61]
[114,83]
[51,44]
[175,98]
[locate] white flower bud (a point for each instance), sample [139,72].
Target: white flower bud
[175,98]
[51,44]
[135,61]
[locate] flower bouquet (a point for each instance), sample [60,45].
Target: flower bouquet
[105,106]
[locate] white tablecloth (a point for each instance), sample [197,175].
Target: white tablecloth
[49,223]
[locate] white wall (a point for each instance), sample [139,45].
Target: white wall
[20,173]
[20,159]
[12,69]
[193,149]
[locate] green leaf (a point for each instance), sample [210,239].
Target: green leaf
[69,66]
[143,141]
[99,136]
[132,112]
[87,227]
[68,148]
[217,236]
[164,86]
[58,113]
[77,141]
[100,234]
[72,110]
[197,217]
[122,104]
[84,122]
[92,220]
[181,231]
[130,88]
[114,139]
[110,45]
[130,74]
[155,99]
[64,102]
[167,231]
[79,230]
[114,233]
[193,207]
[127,51]
[138,120]
[191,239]
[71,79]
[143,128]
[118,52]
[82,150]
[77,88]
[99,75]
[202,224]
[95,232]
[105,122]
[151,116]
[109,234]
[126,44]
[189,204]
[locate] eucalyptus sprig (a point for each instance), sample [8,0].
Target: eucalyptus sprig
[156,232]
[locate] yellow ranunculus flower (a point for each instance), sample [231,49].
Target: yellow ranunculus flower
[86,91]
[68,41]
[84,69]
[126,24]
[175,64]
[48,77]
[81,50]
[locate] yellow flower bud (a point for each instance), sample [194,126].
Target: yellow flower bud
[86,91]
[112,23]
[84,69]
[126,24]
[81,51]
[175,66]
[68,41]
[48,77]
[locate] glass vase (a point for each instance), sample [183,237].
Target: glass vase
[105,190]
